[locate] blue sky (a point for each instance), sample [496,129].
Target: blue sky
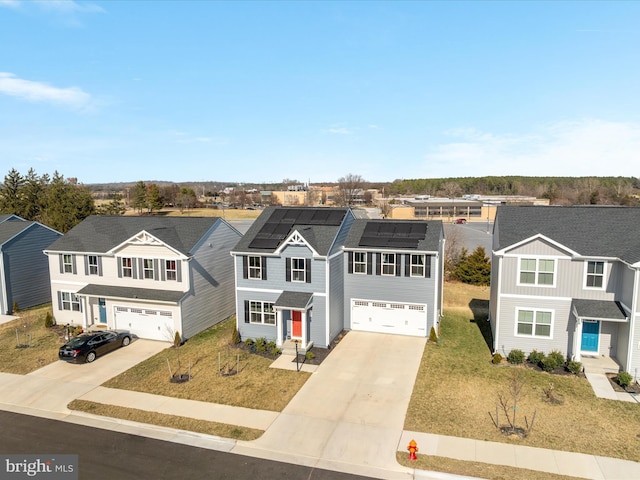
[110,91]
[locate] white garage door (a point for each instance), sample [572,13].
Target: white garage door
[389,317]
[146,323]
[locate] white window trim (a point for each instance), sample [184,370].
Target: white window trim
[364,264]
[173,271]
[299,271]
[145,269]
[93,265]
[124,267]
[384,264]
[73,299]
[262,313]
[535,311]
[422,266]
[257,271]
[586,275]
[66,264]
[537,258]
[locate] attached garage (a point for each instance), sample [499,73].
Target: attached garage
[145,323]
[389,317]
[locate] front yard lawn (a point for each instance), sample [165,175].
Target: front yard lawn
[457,387]
[256,386]
[43,343]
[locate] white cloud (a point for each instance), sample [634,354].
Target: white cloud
[10,3]
[69,6]
[570,148]
[29,90]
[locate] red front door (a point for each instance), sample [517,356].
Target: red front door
[296,327]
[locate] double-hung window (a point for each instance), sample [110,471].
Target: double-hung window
[262,312]
[388,264]
[67,263]
[92,262]
[127,267]
[417,265]
[171,268]
[298,270]
[255,267]
[70,301]
[537,271]
[147,268]
[534,323]
[360,262]
[595,274]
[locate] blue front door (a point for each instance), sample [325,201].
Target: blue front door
[103,310]
[590,331]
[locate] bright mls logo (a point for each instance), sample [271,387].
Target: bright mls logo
[51,467]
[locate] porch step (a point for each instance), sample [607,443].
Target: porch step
[602,365]
[289,347]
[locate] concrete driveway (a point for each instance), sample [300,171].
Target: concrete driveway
[353,407]
[55,385]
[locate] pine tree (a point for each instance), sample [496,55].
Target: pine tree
[475,268]
[153,199]
[11,200]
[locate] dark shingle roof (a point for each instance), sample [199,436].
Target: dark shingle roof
[599,310]
[591,231]
[109,291]
[319,236]
[429,242]
[102,233]
[8,230]
[293,299]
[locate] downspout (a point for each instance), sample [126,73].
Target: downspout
[632,321]
[327,300]
[436,317]
[498,297]
[4,307]
[235,290]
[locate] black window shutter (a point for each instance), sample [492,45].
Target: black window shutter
[427,266]
[369,263]
[398,264]
[246,311]
[307,267]
[59,300]
[407,265]
[378,263]
[73,262]
[288,270]
[263,264]
[61,258]
[350,262]
[245,267]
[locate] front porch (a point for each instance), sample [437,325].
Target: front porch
[289,347]
[600,364]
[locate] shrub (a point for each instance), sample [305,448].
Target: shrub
[624,379]
[536,357]
[497,358]
[552,361]
[275,351]
[15,308]
[271,345]
[249,342]
[309,355]
[574,367]
[433,336]
[515,357]
[261,344]
[48,320]
[235,336]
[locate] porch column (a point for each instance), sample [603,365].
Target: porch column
[279,327]
[84,305]
[304,328]
[577,340]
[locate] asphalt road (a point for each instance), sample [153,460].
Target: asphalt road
[471,235]
[104,454]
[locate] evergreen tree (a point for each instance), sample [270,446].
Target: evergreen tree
[153,199]
[114,207]
[11,200]
[66,204]
[33,195]
[139,199]
[475,268]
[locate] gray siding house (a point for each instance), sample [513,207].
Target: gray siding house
[393,276]
[567,279]
[293,280]
[153,276]
[24,269]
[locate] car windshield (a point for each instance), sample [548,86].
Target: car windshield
[77,342]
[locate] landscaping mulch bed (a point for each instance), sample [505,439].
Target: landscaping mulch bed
[633,388]
[320,353]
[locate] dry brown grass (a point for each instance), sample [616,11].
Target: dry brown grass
[457,387]
[475,469]
[256,386]
[227,213]
[171,421]
[44,342]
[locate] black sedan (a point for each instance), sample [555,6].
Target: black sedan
[87,347]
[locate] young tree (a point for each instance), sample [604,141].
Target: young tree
[153,200]
[475,268]
[186,199]
[114,207]
[139,196]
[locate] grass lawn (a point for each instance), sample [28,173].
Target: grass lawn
[171,421]
[227,213]
[256,386]
[44,342]
[457,387]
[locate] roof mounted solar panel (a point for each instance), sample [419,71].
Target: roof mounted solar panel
[266,243]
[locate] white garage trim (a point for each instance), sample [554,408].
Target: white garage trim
[148,323]
[389,317]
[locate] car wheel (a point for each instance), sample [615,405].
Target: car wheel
[91,356]
[126,341]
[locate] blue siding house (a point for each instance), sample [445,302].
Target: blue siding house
[295,277]
[24,268]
